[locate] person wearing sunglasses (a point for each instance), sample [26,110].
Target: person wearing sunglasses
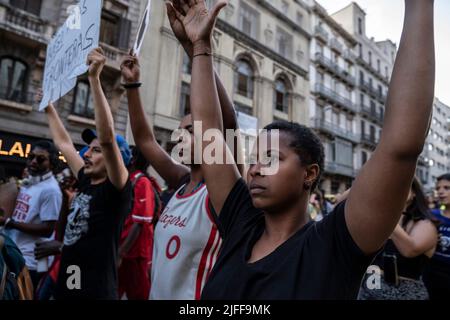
[37,206]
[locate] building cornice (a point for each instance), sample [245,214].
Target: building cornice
[270,53]
[281,16]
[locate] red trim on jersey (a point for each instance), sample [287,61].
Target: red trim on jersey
[212,259]
[190,194]
[203,260]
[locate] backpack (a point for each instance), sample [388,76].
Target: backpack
[15,281]
[156,192]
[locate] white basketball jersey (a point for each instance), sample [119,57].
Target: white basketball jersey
[186,246]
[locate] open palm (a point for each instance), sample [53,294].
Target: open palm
[198,22]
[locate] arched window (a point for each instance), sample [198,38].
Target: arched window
[244,79]
[281,96]
[13,76]
[83,103]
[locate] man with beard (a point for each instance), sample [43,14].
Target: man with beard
[37,205]
[89,254]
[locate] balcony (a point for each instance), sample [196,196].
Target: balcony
[334,98]
[375,72]
[341,169]
[334,130]
[371,113]
[336,46]
[369,89]
[320,33]
[21,101]
[114,56]
[349,56]
[25,24]
[368,140]
[334,68]
[381,97]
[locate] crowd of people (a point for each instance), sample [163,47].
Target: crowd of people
[101,228]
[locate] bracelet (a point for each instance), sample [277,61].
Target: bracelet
[131,85]
[202,54]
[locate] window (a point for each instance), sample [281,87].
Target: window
[281,97]
[370,58]
[360,49]
[372,133]
[285,7]
[248,20]
[187,64]
[31,6]
[299,18]
[13,76]
[386,71]
[363,127]
[244,79]
[83,103]
[363,157]
[185,102]
[284,43]
[378,65]
[360,26]
[115,30]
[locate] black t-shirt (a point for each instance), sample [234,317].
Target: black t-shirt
[91,240]
[320,261]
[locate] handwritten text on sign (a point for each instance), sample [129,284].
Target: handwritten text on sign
[69,48]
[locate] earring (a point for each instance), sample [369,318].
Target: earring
[307,185]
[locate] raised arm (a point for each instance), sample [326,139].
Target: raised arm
[205,106]
[143,134]
[226,104]
[115,167]
[61,139]
[378,194]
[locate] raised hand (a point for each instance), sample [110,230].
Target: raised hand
[96,61]
[177,25]
[130,69]
[198,22]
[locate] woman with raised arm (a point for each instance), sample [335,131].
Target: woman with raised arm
[270,251]
[186,238]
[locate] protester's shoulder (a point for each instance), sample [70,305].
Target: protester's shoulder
[51,187]
[239,193]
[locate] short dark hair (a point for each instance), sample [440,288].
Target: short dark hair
[445,176]
[305,142]
[51,149]
[138,159]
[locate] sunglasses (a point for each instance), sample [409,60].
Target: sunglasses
[39,159]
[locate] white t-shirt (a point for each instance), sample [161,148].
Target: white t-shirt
[186,246]
[35,204]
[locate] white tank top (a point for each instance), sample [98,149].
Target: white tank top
[186,246]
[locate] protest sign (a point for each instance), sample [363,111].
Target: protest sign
[69,48]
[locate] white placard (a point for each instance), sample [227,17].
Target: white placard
[247,124]
[145,21]
[69,48]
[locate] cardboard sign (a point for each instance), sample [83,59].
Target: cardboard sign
[67,52]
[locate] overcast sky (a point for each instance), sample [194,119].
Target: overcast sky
[384,21]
